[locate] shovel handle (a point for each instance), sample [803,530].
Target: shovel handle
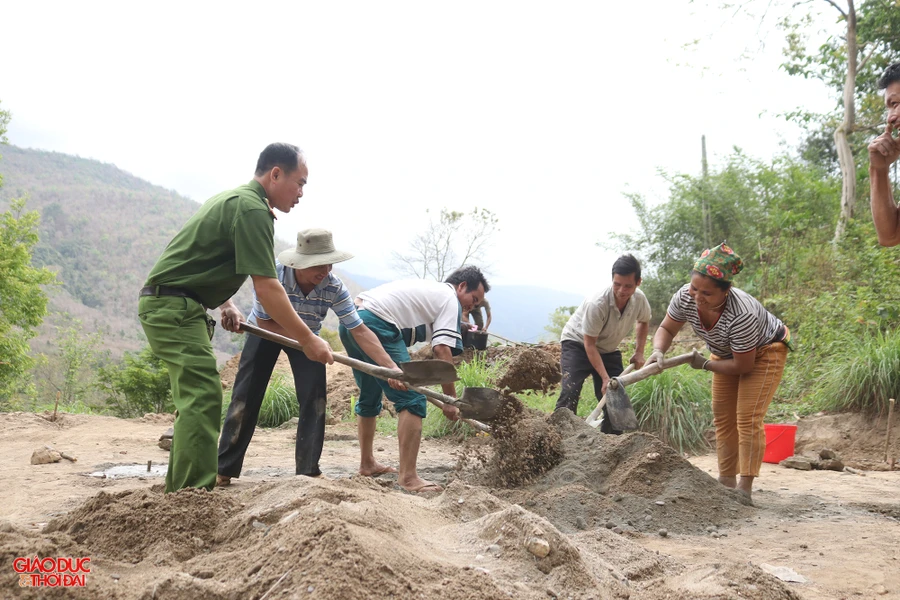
[375,371]
[653,369]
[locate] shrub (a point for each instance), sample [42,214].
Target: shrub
[675,405]
[863,376]
[279,404]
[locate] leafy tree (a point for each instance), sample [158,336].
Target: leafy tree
[454,239]
[558,319]
[849,62]
[70,370]
[23,302]
[139,385]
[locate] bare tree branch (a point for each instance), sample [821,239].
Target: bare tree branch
[839,9]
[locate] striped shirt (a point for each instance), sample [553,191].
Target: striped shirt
[743,326]
[422,310]
[312,308]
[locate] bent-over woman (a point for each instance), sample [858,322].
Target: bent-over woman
[748,346]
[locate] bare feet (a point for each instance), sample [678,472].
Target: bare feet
[222,480]
[419,485]
[375,469]
[728,481]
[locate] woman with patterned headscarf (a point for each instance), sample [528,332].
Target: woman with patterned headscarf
[748,346]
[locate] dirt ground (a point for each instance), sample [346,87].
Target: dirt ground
[546,508]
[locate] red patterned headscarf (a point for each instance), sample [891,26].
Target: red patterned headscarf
[719,263]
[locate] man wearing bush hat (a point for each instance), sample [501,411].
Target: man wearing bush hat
[305,273]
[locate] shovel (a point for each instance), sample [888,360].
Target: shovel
[618,405]
[420,372]
[593,419]
[480,403]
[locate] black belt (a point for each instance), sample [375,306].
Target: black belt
[164,290]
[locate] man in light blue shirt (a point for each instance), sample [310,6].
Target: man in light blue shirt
[305,274]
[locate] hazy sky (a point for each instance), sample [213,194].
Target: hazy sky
[544,113]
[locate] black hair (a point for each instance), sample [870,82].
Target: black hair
[286,156]
[471,275]
[891,74]
[720,283]
[626,265]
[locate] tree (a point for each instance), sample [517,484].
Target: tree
[849,63]
[454,239]
[139,385]
[558,319]
[23,303]
[70,371]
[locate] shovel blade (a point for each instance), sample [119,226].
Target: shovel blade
[428,372]
[619,409]
[481,404]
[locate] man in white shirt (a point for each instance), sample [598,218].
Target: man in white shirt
[400,314]
[593,333]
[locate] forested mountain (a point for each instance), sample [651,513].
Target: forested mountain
[101,230]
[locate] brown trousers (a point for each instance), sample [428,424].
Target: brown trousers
[739,404]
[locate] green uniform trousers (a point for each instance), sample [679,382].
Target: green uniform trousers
[177,333]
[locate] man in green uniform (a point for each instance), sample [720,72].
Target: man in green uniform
[230,238]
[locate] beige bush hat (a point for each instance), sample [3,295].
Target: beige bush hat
[314,249]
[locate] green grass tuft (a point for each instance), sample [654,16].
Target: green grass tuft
[863,376]
[675,405]
[279,404]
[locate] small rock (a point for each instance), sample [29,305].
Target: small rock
[711,529]
[715,535]
[165,444]
[539,547]
[580,523]
[460,501]
[552,593]
[479,557]
[610,524]
[660,503]
[618,498]
[834,464]
[289,517]
[617,530]
[259,525]
[206,574]
[6,527]
[116,577]
[653,456]
[379,449]
[311,589]
[44,456]
[827,454]
[648,517]
[482,570]
[797,462]
[879,589]
[494,549]
[663,533]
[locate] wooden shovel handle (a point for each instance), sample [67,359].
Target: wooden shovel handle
[375,371]
[653,369]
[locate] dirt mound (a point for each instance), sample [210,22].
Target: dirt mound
[634,482]
[139,524]
[859,439]
[531,369]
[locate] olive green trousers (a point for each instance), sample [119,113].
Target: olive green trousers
[176,329]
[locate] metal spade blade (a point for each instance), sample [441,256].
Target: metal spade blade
[618,407]
[428,372]
[480,403]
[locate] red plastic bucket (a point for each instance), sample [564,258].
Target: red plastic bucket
[779,442]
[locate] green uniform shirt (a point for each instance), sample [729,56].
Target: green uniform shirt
[230,237]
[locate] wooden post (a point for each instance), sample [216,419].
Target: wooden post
[887,436]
